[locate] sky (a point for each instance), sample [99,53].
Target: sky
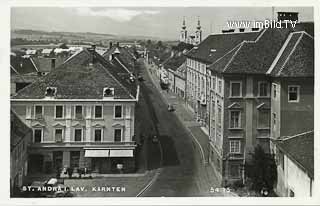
[161,22]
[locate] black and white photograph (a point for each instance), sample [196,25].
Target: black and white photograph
[161,101]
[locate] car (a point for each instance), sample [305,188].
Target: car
[52,187]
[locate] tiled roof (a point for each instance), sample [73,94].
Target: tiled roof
[297,58]
[44,64]
[78,79]
[300,148]
[216,45]
[174,62]
[256,57]
[22,65]
[18,130]
[124,56]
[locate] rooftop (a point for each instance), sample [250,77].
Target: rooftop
[216,45]
[256,57]
[83,76]
[300,148]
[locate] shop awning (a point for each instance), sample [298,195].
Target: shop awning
[96,153]
[121,153]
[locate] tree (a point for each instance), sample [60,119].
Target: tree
[261,170]
[159,44]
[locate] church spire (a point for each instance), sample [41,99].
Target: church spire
[184,23]
[198,26]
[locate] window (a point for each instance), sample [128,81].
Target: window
[51,91]
[219,115]
[235,146]
[235,89]
[293,93]
[263,89]
[78,135]
[118,111]
[97,135]
[117,135]
[38,135]
[59,111]
[263,119]
[274,88]
[38,112]
[234,119]
[58,135]
[220,86]
[274,119]
[78,112]
[108,92]
[98,111]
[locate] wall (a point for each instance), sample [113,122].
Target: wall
[108,123]
[294,112]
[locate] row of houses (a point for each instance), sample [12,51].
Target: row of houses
[81,114]
[253,88]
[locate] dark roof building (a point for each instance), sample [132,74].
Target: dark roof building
[300,149]
[20,65]
[83,76]
[121,56]
[256,57]
[217,45]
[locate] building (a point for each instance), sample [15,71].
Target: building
[193,39]
[25,71]
[121,57]
[292,81]
[199,78]
[20,138]
[229,82]
[292,114]
[175,68]
[295,165]
[82,116]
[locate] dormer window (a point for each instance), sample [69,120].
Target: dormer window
[51,91]
[108,92]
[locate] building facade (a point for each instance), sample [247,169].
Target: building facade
[20,138]
[229,88]
[82,116]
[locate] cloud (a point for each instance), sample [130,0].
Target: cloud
[117,14]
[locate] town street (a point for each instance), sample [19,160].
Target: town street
[184,173]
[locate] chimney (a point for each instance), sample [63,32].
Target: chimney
[53,63]
[92,51]
[241,29]
[118,44]
[291,16]
[254,29]
[110,45]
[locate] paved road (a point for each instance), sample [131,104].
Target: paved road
[183,171]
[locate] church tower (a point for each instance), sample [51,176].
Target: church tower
[198,38]
[183,32]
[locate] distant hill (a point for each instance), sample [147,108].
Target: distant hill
[30,34]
